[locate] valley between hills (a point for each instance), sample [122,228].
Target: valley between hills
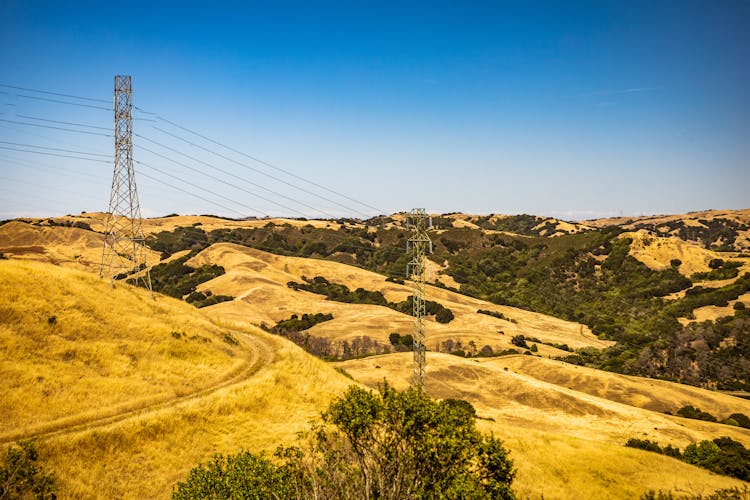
[568,338]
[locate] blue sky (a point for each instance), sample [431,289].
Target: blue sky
[571,109]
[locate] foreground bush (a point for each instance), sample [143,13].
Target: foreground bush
[386,444]
[22,476]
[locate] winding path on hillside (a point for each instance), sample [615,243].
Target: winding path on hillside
[259,353]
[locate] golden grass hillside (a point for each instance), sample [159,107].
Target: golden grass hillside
[258,281]
[75,349]
[566,426]
[122,407]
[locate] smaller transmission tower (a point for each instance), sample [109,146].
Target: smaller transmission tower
[124,251]
[418,246]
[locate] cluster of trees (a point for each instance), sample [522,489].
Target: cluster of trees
[341,293]
[722,455]
[716,234]
[720,270]
[177,279]
[736,419]
[295,328]
[385,444]
[495,314]
[712,353]
[207,298]
[523,224]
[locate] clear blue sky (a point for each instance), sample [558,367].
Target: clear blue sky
[571,109]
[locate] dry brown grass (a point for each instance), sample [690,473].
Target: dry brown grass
[566,426]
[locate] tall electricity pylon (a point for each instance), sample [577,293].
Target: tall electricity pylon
[418,245]
[124,250]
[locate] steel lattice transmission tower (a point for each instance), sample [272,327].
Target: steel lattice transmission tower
[418,246]
[124,250]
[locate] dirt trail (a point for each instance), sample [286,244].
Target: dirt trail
[259,353]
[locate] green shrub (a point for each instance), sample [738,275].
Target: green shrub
[444,315]
[644,444]
[520,341]
[22,476]
[385,444]
[741,419]
[296,323]
[690,411]
[244,475]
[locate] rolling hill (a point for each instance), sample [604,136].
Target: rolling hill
[127,394]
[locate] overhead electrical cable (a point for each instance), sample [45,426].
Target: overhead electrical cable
[55,154]
[235,176]
[218,179]
[261,172]
[27,89]
[270,165]
[64,123]
[190,194]
[54,149]
[199,187]
[64,102]
[55,128]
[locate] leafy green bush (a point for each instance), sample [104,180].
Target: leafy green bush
[644,444]
[297,324]
[444,315]
[244,475]
[722,455]
[22,476]
[401,342]
[385,444]
[205,299]
[494,314]
[520,341]
[741,419]
[690,411]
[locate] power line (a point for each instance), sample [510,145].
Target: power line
[273,166]
[200,187]
[189,193]
[186,129]
[55,128]
[226,172]
[54,154]
[63,102]
[51,93]
[54,149]
[64,123]
[261,172]
[35,165]
[218,180]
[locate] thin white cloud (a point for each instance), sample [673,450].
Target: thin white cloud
[632,90]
